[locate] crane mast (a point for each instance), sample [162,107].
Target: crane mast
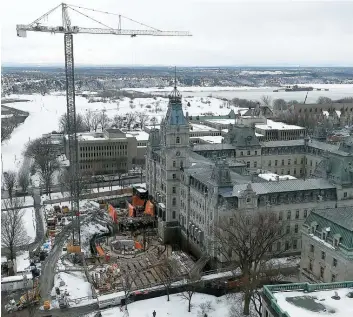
[68,30]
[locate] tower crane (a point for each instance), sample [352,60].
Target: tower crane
[69,30]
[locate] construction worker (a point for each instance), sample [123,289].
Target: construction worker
[154,313]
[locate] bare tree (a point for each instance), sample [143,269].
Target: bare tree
[104,120]
[248,240]
[154,121]
[130,119]
[13,232]
[118,121]
[80,123]
[266,101]
[193,282]
[45,160]
[88,118]
[169,273]
[127,279]
[95,121]
[10,182]
[143,119]
[65,180]
[279,105]
[7,127]
[23,178]
[324,100]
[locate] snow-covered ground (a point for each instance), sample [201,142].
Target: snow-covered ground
[178,306]
[45,112]
[29,222]
[25,201]
[74,282]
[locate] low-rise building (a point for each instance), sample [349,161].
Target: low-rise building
[308,300]
[327,245]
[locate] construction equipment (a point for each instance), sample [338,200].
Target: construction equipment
[68,30]
[30,298]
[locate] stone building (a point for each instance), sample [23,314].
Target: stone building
[194,186]
[110,151]
[327,245]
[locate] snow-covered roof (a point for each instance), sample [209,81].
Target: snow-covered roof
[274,177]
[139,135]
[273,125]
[221,121]
[201,127]
[307,304]
[211,139]
[15,278]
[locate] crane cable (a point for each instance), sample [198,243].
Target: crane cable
[71,5]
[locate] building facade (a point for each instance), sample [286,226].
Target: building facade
[194,186]
[327,245]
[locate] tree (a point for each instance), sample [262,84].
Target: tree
[104,120]
[121,168]
[95,121]
[154,121]
[45,160]
[13,232]
[88,119]
[248,241]
[266,101]
[169,273]
[118,121]
[143,119]
[80,124]
[23,178]
[7,127]
[130,119]
[193,281]
[65,179]
[279,105]
[324,100]
[10,181]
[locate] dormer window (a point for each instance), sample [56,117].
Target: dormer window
[248,199]
[324,235]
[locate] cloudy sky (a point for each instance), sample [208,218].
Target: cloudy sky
[225,32]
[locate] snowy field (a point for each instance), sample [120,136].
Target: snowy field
[46,110]
[178,306]
[336,91]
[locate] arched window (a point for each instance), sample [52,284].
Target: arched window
[177,139]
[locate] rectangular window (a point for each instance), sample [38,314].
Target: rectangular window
[288,229]
[295,161]
[282,162]
[174,201]
[295,171]
[305,213]
[287,246]
[295,244]
[297,214]
[278,246]
[345,194]
[269,163]
[289,161]
[173,214]
[301,171]
[312,248]
[334,262]
[296,228]
[288,215]
[282,171]
[255,164]
[248,153]
[322,272]
[280,215]
[255,152]
[174,190]
[247,164]
[276,162]
[323,255]
[241,153]
[174,176]
[311,265]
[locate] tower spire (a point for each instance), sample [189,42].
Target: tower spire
[175,79]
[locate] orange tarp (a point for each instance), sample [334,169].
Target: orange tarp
[131,210]
[137,201]
[113,214]
[138,245]
[149,210]
[100,250]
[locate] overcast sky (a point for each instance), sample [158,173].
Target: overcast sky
[225,33]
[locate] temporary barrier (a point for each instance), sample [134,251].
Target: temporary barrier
[100,250]
[131,210]
[138,245]
[149,209]
[137,201]
[113,213]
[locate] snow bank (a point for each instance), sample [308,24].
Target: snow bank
[75,283]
